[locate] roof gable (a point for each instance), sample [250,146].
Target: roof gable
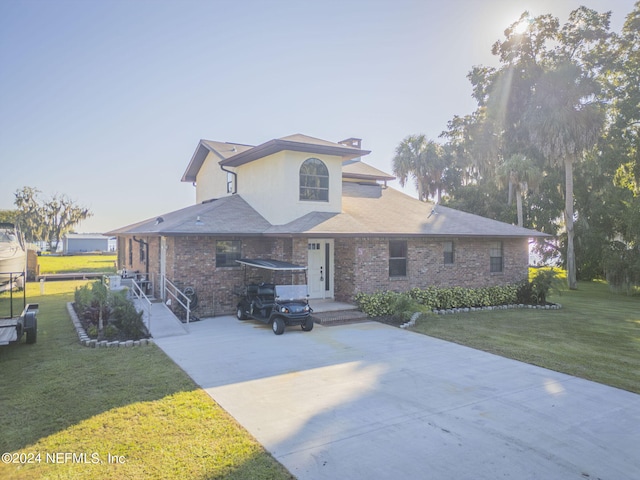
[296,143]
[222,150]
[236,154]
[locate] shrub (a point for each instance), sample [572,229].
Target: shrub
[120,318]
[403,307]
[130,323]
[83,298]
[92,331]
[543,283]
[376,304]
[399,306]
[100,295]
[111,332]
[525,294]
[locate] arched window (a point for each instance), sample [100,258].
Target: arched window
[314,181]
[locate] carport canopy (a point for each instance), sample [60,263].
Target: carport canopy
[269,264]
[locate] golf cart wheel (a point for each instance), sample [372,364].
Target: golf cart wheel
[32,332]
[307,326]
[240,313]
[278,326]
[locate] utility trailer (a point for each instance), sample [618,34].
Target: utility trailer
[274,301]
[12,328]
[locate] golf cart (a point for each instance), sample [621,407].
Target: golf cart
[13,328]
[271,300]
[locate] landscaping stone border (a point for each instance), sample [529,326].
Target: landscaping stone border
[93,343]
[415,316]
[412,321]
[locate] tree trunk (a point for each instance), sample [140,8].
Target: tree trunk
[568,217]
[510,197]
[518,193]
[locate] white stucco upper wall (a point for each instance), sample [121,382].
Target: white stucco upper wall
[211,181]
[271,185]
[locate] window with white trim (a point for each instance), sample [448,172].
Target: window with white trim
[448,251]
[495,257]
[397,258]
[314,181]
[227,252]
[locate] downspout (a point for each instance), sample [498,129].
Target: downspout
[146,259]
[235,179]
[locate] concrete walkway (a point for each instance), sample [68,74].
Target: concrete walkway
[162,321]
[376,402]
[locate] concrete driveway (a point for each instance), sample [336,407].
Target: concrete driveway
[376,402]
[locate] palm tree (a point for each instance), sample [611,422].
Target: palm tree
[424,161]
[436,164]
[564,120]
[408,160]
[520,174]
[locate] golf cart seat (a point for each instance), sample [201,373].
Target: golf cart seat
[262,295]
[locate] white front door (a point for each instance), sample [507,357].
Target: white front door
[320,268]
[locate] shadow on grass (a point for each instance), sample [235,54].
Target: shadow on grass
[57,383]
[132,403]
[183,435]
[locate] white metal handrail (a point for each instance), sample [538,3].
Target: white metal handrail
[166,284]
[137,292]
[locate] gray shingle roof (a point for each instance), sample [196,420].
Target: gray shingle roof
[367,210]
[357,169]
[371,210]
[225,216]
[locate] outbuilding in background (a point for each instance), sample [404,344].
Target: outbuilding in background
[86,242]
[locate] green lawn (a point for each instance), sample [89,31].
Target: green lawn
[77,263]
[58,397]
[596,335]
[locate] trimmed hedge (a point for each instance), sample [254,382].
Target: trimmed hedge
[457,297]
[388,303]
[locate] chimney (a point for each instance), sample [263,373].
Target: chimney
[352,142]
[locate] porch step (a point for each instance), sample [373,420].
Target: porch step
[339,317]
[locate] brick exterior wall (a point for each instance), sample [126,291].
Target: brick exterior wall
[361,264]
[191,261]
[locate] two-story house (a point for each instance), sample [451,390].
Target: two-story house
[316,203]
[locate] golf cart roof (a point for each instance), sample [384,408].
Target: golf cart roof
[268,264]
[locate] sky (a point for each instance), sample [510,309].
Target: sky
[105,101]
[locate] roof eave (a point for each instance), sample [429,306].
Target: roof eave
[277,145]
[328,234]
[362,176]
[198,158]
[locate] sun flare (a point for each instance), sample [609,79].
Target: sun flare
[521,26]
